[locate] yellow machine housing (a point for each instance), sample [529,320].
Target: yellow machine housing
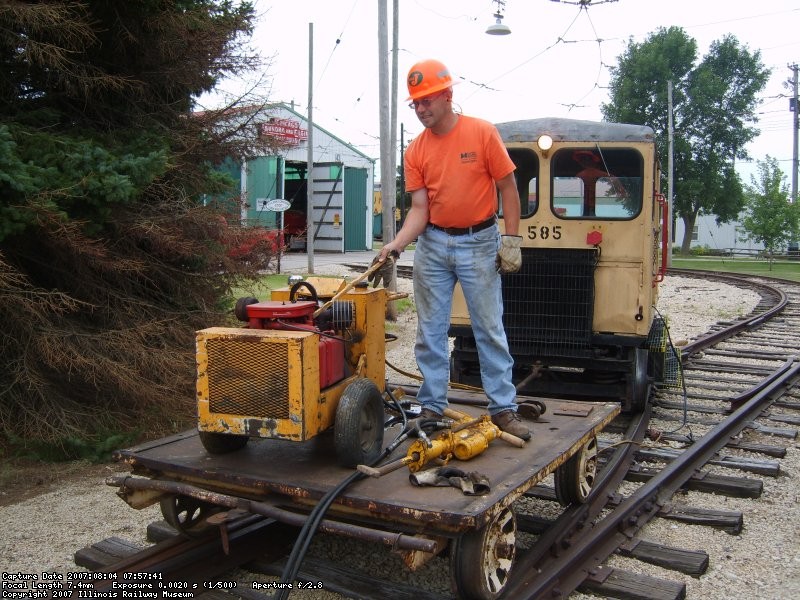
[266,382]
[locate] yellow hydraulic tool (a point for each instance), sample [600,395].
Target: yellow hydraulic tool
[468,437]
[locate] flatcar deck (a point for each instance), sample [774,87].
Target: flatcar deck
[299,473]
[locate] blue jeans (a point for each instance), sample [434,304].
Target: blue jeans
[439,261]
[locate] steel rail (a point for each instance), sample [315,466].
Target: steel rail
[751,322]
[579,559]
[550,552]
[196,560]
[570,551]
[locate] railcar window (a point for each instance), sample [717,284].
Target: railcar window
[527,176]
[597,183]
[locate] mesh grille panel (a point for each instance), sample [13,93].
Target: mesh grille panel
[665,359]
[248,378]
[673,372]
[549,303]
[658,336]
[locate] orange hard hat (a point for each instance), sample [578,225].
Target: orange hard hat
[428,77]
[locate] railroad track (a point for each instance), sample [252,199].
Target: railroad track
[733,385]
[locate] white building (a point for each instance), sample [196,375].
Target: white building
[342,181]
[707,233]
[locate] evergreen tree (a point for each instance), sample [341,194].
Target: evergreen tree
[108,261]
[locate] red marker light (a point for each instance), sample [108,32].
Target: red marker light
[593,238]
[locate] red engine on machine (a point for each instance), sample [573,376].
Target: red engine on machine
[299,316]
[275,314]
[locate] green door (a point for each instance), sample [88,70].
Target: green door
[356,209]
[263,183]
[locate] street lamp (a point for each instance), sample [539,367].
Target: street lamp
[498,28]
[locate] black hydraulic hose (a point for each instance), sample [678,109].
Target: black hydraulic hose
[306,534]
[315,517]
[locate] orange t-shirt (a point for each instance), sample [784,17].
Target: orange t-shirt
[459,170]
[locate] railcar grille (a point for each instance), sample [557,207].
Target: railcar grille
[248,378]
[549,303]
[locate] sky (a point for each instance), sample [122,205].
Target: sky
[555,62]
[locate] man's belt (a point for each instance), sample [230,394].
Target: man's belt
[465,230]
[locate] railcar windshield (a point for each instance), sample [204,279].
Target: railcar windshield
[597,183]
[526,174]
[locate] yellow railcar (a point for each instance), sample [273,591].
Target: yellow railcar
[580,314]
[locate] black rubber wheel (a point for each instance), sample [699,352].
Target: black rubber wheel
[222,443]
[302,284]
[575,478]
[638,388]
[240,309]
[187,515]
[481,559]
[358,430]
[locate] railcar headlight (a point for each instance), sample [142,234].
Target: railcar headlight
[545,142]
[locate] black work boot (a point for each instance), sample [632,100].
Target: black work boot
[509,421]
[427,413]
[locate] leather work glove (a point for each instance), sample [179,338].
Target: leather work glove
[509,257]
[385,273]
[470,484]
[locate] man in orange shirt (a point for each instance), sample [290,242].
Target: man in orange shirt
[452,171]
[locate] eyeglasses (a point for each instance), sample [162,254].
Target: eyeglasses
[424,102]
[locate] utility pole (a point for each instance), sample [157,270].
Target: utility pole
[387,139]
[403,207]
[386,151]
[310,167]
[795,127]
[670,137]
[393,120]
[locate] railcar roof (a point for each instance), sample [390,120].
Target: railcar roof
[574,130]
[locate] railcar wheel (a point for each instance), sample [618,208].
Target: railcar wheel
[222,443]
[638,389]
[481,559]
[358,429]
[575,478]
[187,515]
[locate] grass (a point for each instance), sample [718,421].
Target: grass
[260,288]
[782,269]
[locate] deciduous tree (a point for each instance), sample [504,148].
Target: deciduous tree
[770,218]
[714,105]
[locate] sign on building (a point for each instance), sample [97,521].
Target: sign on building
[287,130]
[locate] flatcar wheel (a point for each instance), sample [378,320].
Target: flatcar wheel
[222,443]
[358,429]
[575,478]
[481,560]
[186,514]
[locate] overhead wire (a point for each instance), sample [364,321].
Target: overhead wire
[562,39]
[600,58]
[338,41]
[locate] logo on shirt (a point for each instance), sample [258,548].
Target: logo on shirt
[469,157]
